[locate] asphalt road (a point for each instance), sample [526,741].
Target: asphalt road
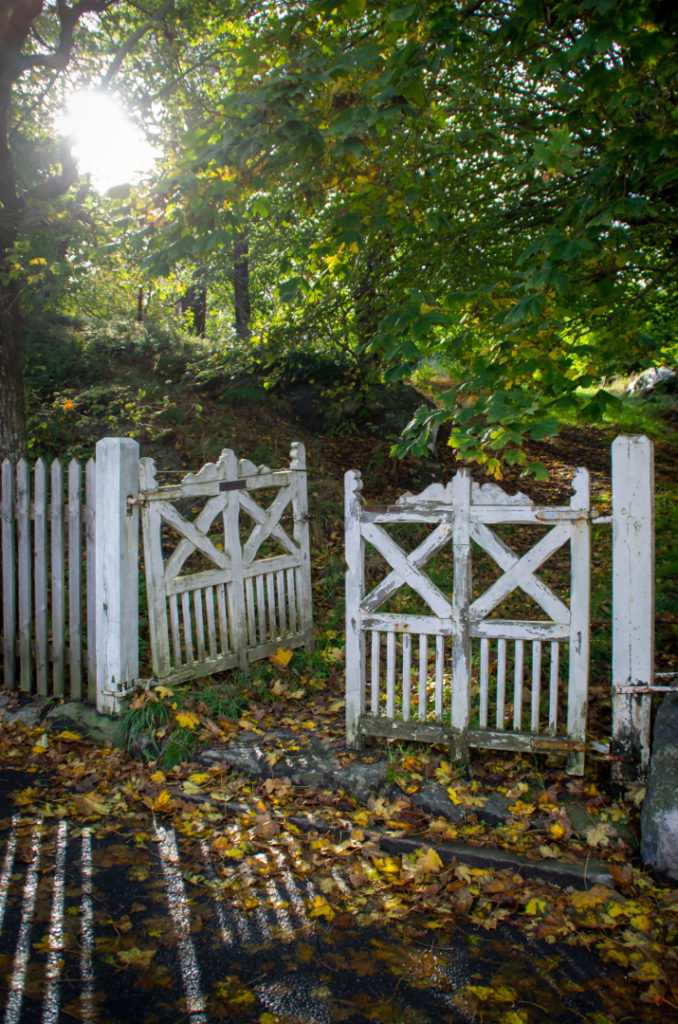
[130,927]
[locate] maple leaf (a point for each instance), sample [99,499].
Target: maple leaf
[187,719]
[601,834]
[281,658]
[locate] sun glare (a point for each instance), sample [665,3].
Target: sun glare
[106,145]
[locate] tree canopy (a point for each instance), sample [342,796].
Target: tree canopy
[488,186]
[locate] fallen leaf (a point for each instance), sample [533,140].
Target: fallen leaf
[281,658]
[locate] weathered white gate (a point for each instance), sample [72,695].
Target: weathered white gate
[458,673]
[222,591]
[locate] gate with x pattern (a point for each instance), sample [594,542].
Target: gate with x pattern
[444,656]
[227,580]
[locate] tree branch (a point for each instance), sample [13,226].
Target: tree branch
[57,184]
[132,41]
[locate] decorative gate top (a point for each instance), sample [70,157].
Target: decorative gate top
[224,591]
[464,514]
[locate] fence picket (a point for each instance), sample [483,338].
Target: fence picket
[91,574]
[40,574]
[56,515]
[8,577]
[23,523]
[74,578]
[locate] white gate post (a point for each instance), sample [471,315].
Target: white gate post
[632,603]
[117,570]
[461,599]
[355,592]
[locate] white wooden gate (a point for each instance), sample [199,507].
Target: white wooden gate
[457,672]
[223,592]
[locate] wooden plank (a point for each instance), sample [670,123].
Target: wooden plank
[251,617]
[40,575]
[519,629]
[439,677]
[536,685]
[501,682]
[154,566]
[518,516]
[91,577]
[302,538]
[407,676]
[632,603]
[23,532]
[75,575]
[211,622]
[238,615]
[259,516]
[390,674]
[461,599]
[424,732]
[422,708]
[374,674]
[176,632]
[207,578]
[9,616]
[58,603]
[292,602]
[225,646]
[199,623]
[580,601]
[188,627]
[270,604]
[554,688]
[386,622]
[263,633]
[518,670]
[282,610]
[484,682]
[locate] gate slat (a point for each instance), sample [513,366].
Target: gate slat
[175,629]
[484,681]
[199,624]
[553,689]
[188,626]
[407,676]
[211,622]
[501,682]
[518,669]
[536,685]
[423,676]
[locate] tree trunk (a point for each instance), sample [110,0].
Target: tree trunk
[13,437]
[241,286]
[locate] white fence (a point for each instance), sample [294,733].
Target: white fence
[70,572]
[440,663]
[48,579]
[227,580]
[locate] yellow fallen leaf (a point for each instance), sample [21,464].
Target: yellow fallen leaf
[164,692]
[281,658]
[536,907]
[68,735]
[136,957]
[199,777]
[556,830]
[160,800]
[187,719]
[452,794]
[158,777]
[321,908]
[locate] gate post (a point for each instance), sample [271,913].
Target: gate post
[355,592]
[632,604]
[117,570]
